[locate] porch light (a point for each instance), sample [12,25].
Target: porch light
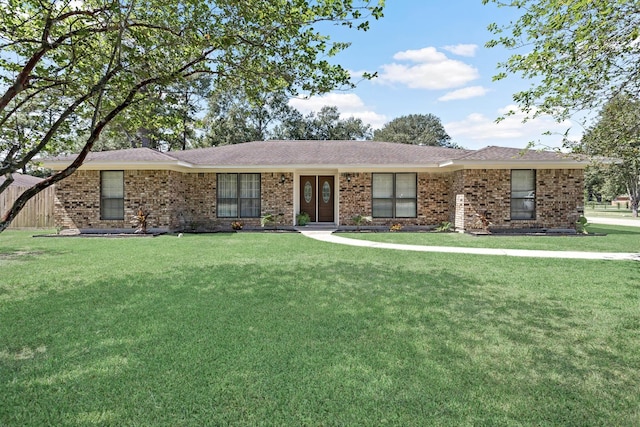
[282,179]
[348,177]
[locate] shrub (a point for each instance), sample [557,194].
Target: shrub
[303,219]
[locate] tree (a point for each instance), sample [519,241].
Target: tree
[617,135]
[167,120]
[325,125]
[418,129]
[234,118]
[579,54]
[76,66]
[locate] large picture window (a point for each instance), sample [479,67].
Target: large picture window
[523,194]
[238,195]
[394,195]
[112,195]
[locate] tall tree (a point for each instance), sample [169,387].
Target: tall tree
[418,129]
[233,117]
[325,125]
[81,64]
[617,135]
[167,120]
[578,54]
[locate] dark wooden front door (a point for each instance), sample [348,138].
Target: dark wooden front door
[325,199]
[308,196]
[317,198]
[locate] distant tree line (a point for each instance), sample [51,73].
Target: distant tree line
[191,115]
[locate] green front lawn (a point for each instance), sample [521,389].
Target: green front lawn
[603,238]
[279,329]
[606,210]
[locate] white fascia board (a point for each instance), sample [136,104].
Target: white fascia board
[317,167]
[529,164]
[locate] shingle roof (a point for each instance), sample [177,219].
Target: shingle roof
[272,153]
[20,180]
[315,154]
[126,155]
[493,153]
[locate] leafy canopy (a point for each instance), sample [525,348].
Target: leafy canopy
[578,54]
[325,125]
[616,134]
[418,129]
[70,68]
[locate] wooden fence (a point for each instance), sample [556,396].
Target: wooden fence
[37,213]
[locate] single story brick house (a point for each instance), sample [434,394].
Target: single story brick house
[332,181]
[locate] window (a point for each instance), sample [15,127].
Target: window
[238,195]
[523,194]
[112,195]
[394,195]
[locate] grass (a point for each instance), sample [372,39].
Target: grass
[606,210]
[603,239]
[278,329]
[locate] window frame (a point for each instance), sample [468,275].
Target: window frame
[395,199]
[109,198]
[238,200]
[532,194]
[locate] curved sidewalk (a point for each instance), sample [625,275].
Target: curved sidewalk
[613,221]
[328,236]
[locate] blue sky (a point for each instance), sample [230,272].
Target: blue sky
[430,58]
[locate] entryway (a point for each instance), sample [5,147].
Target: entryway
[317,197]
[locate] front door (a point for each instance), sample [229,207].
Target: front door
[316,197]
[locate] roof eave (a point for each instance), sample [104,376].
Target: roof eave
[515,164]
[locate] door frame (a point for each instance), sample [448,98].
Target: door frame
[317,174]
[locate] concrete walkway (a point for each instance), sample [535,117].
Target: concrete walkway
[614,221]
[329,237]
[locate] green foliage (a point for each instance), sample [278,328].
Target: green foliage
[303,219]
[359,220]
[326,125]
[616,135]
[270,219]
[267,219]
[578,53]
[70,69]
[233,118]
[444,227]
[418,129]
[581,225]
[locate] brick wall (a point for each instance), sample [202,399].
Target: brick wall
[355,196]
[487,192]
[434,190]
[156,192]
[179,201]
[277,197]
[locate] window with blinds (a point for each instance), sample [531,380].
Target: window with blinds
[394,195]
[112,195]
[523,194]
[238,195]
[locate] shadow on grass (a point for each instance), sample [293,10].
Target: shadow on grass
[334,343]
[613,230]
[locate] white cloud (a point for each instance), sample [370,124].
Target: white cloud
[431,70]
[481,130]
[462,49]
[464,93]
[427,54]
[349,105]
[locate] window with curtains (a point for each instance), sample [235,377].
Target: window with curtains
[238,195]
[394,195]
[112,195]
[523,194]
